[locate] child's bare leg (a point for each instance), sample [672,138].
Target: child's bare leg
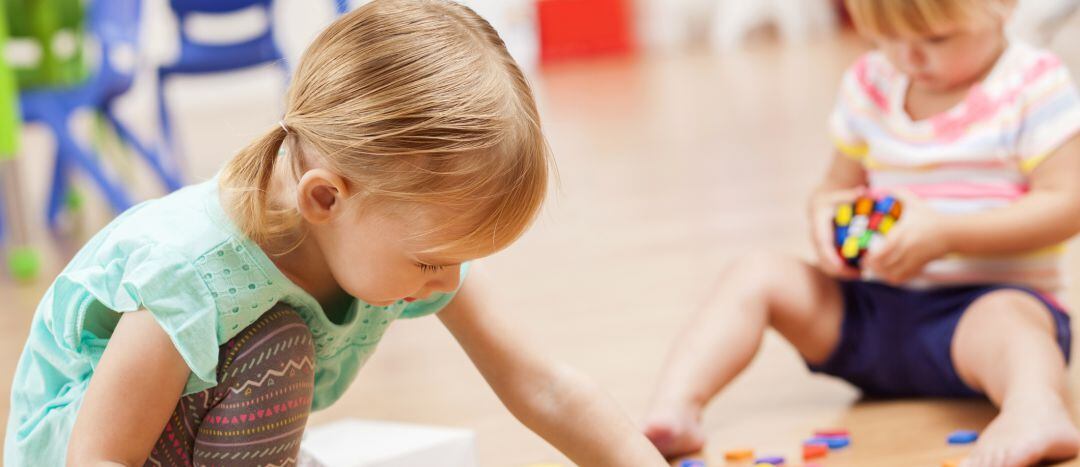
[1005,346]
[797,299]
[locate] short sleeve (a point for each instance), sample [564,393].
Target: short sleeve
[842,127]
[437,301]
[133,277]
[1050,114]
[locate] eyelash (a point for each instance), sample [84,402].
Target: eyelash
[427,268]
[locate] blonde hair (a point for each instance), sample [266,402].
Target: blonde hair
[893,18]
[412,101]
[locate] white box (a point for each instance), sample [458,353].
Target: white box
[359,443]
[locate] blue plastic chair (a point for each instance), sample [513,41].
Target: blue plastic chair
[115,25]
[202,58]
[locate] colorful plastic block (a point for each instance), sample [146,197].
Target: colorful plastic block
[814,451]
[832,433]
[739,455]
[833,442]
[865,221]
[963,437]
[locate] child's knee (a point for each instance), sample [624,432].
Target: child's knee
[761,273]
[278,344]
[1007,309]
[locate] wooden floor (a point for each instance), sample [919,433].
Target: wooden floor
[669,167]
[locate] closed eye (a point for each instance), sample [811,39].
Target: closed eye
[428,268]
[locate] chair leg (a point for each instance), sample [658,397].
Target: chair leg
[171,180]
[169,149]
[59,189]
[117,197]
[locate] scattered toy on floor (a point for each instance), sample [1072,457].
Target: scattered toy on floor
[963,437]
[739,455]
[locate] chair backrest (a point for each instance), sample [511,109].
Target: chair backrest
[39,23]
[115,26]
[186,7]
[115,22]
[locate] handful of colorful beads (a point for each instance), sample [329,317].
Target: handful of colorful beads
[859,225]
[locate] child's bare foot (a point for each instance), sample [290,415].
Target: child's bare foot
[1026,434]
[675,430]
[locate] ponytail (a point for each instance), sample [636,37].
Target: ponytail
[247,179]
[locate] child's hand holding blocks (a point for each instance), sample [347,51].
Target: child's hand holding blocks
[861,224]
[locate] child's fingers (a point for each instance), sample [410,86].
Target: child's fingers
[828,259]
[842,196]
[884,259]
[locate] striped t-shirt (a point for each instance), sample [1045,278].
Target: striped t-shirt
[974,157]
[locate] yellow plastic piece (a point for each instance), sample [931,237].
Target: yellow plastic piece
[739,454]
[886,224]
[951,463]
[851,248]
[843,215]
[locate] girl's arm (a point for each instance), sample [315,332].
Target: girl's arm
[133,391]
[554,401]
[1047,215]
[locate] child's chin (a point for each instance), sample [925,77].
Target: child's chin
[942,85]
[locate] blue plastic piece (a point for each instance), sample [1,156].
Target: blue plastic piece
[841,235]
[963,437]
[833,442]
[885,204]
[692,463]
[774,460]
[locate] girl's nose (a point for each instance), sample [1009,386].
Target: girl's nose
[913,56]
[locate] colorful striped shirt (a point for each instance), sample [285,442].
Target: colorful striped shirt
[974,157]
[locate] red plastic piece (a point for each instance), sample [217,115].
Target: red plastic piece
[814,451]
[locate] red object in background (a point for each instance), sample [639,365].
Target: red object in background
[584,28]
[843,14]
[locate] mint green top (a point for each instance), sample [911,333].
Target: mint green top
[183,260]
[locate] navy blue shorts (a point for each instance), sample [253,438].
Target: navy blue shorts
[897,343]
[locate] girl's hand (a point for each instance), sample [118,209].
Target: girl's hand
[822,210]
[554,401]
[917,239]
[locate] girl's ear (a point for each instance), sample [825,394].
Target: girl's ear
[321,195]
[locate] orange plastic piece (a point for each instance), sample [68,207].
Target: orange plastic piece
[864,206]
[739,455]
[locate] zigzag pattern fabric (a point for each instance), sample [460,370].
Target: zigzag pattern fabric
[256,414]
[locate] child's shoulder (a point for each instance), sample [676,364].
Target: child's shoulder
[869,81]
[1024,65]
[184,225]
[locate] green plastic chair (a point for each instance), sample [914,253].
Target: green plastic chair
[42,22]
[23,261]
